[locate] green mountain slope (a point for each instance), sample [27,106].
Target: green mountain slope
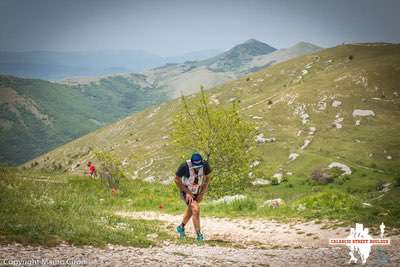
[338,105]
[37,115]
[80,105]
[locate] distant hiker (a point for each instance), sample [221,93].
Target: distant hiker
[92,169]
[192,179]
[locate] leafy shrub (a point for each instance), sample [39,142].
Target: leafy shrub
[397,180]
[222,135]
[111,168]
[274,181]
[379,185]
[319,175]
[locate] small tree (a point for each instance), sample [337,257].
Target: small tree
[111,169]
[219,133]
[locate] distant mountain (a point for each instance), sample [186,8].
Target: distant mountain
[38,115]
[240,60]
[234,58]
[193,56]
[60,65]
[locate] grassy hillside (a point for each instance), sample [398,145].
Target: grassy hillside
[309,105]
[38,115]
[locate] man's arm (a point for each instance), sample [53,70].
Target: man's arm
[182,187]
[204,188]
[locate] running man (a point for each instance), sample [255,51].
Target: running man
[192,179]
[92,170]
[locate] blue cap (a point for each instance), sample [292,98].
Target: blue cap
[197,160]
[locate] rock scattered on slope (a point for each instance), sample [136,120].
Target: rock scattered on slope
[260,181]
[278,176]
[293,156]
[338,121]
[229,199]
[363,113]
[336,103]
[306,144]
[312,130]
[346,169]
[260,138]
[274,203]
[255,163]
[150,179]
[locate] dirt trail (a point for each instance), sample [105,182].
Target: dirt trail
[252,231]
[300,244]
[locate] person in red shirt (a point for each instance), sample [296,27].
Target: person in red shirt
[92,169]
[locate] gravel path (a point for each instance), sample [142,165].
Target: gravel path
[300,244]
[189,255]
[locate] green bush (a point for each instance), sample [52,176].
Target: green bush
[397,180]
[222,136]
[274,181]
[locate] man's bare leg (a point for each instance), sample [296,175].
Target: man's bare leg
[195,211]
[187,216]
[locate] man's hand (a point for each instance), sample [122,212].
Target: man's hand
[199,197]
[189,198]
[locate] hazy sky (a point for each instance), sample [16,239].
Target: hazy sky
[178,26]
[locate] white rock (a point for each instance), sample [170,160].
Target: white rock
[336,103]
[152,236]
[257,117]
[389,157]
[274,203]
[278,176]
[321,105]
[305,145]
[229,199]
[301,207]
[250,174]
[293,156]
[150,179]
[304,72]
[340,78]
[260,138]
[260,181]
[312,130]
[289,173]
[168,180]
[165,137]
[308,66]
[365,204]
[338,122]
[358,122]
[363,112]
[346,169]
[124,162]
[271,140]
[255,163]
[214,100]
